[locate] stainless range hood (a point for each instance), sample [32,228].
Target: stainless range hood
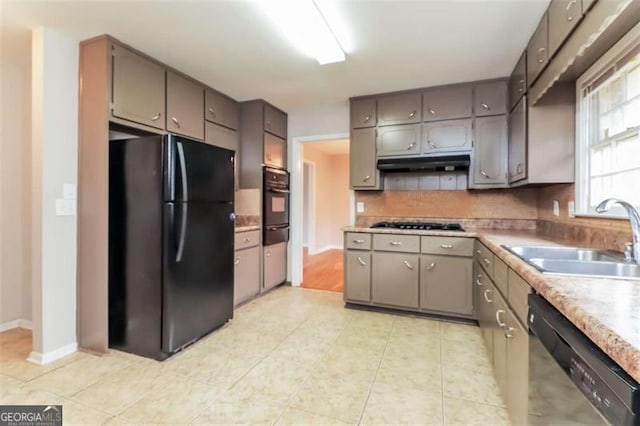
[441,163]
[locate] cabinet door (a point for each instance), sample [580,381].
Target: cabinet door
[275,265]
[221,110]
[564,15]
[396,141]
[517,339]
[400,109]
[247,274]
[363,173]
[138,91]
[445,284]
[357,285]
[537,50]
[490,152]
[485,309]
[490,99]
[500,342]
[446,103]
[185,100]
[363,113]
[447,136]
[517,150]
[275,121]
[394,279]
[275,151]
[518,81]
[221,136]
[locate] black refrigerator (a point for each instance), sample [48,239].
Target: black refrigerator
[171,238]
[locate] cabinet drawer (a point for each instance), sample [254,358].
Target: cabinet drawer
[446,103]
[397,141]
[519,291]
[447,245]
[246,239]
[221,110]
[400,109]
[491,99]
[518,81]
[500,275]
[247,274]
[390,242]
[275,121]
[484,256]
[363,113]
[358,241]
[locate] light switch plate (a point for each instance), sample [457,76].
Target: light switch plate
[69,191]
[571,208]
[556,208]
[65,207]
[360,207]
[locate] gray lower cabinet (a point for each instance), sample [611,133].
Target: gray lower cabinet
[275,265]
[138,88]
[393,141]
[517,143]
[447,136]
[484,302]
[185,100]
[490,152]
[517,344]
[394,279]
[247,274]
[500,342]
[357,285]
[445,284]
[363,173]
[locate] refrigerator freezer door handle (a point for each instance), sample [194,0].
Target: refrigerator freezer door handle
[183,172]
[183,231]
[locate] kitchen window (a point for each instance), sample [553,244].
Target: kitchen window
[608,128]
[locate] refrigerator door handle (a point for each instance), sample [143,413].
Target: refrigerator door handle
[183,231]
[183,172]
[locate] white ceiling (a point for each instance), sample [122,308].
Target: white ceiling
[230,45]
[330,147]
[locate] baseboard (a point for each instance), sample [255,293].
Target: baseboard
[19,323]
[46,358]
[325,248]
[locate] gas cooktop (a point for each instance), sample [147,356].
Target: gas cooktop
[431,226]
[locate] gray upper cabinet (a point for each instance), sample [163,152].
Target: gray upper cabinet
[586,4]
[490,152]
[275,121]
[518,81]
[138,91]
[447,136]
[400,109]
[395,279]
[275,151]
[363,113]
[185,99]
[357,275]
[395,141]
[517,145]
[445,284]
[221,110]
[221,136]
[538,50]
[490,99]
[363,173]
[564,15]
[445,103]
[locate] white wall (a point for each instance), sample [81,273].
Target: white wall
[15,146]
[54,163]
[320,120]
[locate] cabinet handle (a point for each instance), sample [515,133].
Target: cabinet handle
[247,239]
[486,261]
[411,145]
[269,254]
[367,118]
[485,106]
[269,157]
[396,243]
[540,51]
[155,117]
[519,168]
[509,333]
[362,262]
[413,113]
[175,120]
[483,173]
[431,111]
[358,241]
[431,144]
[446,246]
[366,178]
[478,251]
[488,291]
[408,265]
[500,323]
[569,6]
[479,283]
[212,112]
[430,267]
[235,262]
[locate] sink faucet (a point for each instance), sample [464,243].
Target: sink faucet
[634,218]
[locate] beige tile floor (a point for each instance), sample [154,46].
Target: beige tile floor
[294,356]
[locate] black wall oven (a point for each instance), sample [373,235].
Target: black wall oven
[275,208]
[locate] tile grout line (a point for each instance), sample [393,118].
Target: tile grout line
[375,376]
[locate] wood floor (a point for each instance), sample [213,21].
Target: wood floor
[323,271]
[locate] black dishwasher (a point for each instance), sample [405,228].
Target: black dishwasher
[571,380]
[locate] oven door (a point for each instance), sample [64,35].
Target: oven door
[275,234]
[276,207]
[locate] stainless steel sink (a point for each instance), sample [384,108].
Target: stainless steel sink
[587,268]
[564,253]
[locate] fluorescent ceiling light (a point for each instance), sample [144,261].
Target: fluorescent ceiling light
[302,22]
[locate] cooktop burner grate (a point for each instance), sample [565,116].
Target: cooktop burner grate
[434,226]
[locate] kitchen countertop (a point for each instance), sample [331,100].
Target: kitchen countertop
[605,310]
[247,228]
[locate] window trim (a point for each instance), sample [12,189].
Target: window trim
[629,42]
